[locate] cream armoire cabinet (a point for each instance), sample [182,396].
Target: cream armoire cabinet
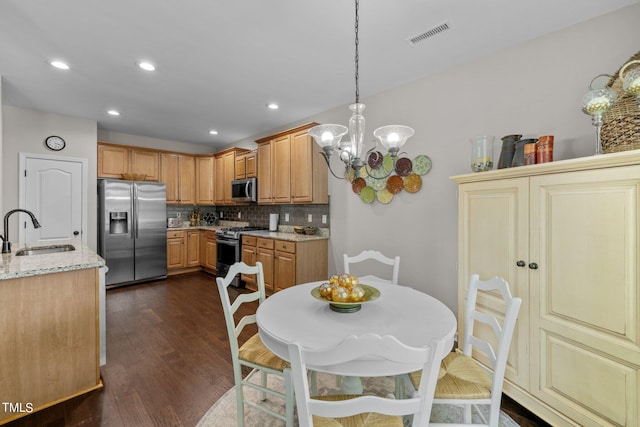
[566,236]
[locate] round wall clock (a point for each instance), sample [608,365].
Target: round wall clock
[54,143]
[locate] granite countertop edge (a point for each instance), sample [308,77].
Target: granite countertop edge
[284,232]
[14,267]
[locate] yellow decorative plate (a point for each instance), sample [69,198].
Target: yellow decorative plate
[384,196]
[370,294]
[412,183]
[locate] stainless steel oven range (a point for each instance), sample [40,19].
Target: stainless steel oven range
[229,251]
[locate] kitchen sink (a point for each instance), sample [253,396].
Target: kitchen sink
[40,250]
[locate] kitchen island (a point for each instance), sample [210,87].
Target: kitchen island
[49,328]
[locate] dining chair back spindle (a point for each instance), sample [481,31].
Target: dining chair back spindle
[253,353]
[366,255]
[365,410]
[463,381]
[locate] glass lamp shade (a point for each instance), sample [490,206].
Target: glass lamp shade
[328,136]
[598,101]
[393,137]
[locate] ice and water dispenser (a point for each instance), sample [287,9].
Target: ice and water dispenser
[118,223]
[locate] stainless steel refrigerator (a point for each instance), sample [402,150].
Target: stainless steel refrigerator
[132,230]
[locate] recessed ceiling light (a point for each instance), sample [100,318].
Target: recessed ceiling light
[213,132]
[59,64]
[147,66]
[272,106]
[113,113]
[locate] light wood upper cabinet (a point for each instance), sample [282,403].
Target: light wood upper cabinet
[205,180]
[290,170]
[264,173]
[225,171]
[178,173]
[246,165]
[145,162]
[309,172]
[566,237]
[115,160]
[219,183]
[281,171]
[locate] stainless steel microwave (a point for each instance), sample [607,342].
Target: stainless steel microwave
[244,190]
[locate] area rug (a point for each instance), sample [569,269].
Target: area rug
[223,412]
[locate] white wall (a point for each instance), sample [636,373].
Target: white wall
[533,89]
[25,131]
[155,143]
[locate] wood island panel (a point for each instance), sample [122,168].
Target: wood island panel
[50,339]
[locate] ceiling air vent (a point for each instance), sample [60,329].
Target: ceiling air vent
[413,41]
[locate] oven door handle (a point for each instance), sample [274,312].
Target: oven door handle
[227,242]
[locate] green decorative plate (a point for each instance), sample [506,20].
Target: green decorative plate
[387,163]
[367,194]
[370,294]
[376,184]
[421,164]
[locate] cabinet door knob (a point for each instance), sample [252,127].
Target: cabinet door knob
[520,263]
[533,266]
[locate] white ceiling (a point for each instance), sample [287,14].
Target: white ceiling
[220,62]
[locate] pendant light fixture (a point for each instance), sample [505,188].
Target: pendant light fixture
[329,136]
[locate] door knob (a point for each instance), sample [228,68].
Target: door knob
[533,266]
[520,263]
[75,233]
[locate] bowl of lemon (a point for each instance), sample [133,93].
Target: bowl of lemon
[344,293]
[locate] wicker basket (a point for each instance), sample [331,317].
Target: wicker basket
[621,127]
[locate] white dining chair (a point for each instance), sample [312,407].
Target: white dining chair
[253,353]
[365,410]
[366,255]
[463,381]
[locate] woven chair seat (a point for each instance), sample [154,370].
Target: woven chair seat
[254,351]
[368,419]
[460,377]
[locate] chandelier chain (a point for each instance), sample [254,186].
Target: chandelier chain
[357,56]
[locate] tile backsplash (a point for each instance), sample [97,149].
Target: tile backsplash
[258,215]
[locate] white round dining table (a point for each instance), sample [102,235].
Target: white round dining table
[413,317]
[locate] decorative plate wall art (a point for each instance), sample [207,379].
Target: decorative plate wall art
[381,178]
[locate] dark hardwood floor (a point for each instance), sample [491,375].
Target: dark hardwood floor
[168,360]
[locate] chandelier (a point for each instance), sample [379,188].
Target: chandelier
[329,136]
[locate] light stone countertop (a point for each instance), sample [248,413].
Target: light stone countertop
[285,232]
[32,265]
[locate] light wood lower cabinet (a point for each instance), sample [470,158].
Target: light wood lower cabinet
[566,235]
[208,251]
[176,249]
[264,254]
[285,263]
[249,257]
[183,250]
[50,340]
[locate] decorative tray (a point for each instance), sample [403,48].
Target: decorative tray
[370,294]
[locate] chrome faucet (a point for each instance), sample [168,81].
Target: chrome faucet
[6,244]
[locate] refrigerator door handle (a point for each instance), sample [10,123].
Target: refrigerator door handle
[134,199]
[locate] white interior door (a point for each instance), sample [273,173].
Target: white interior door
[52,188]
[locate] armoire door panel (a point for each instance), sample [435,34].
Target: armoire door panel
[586,381]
